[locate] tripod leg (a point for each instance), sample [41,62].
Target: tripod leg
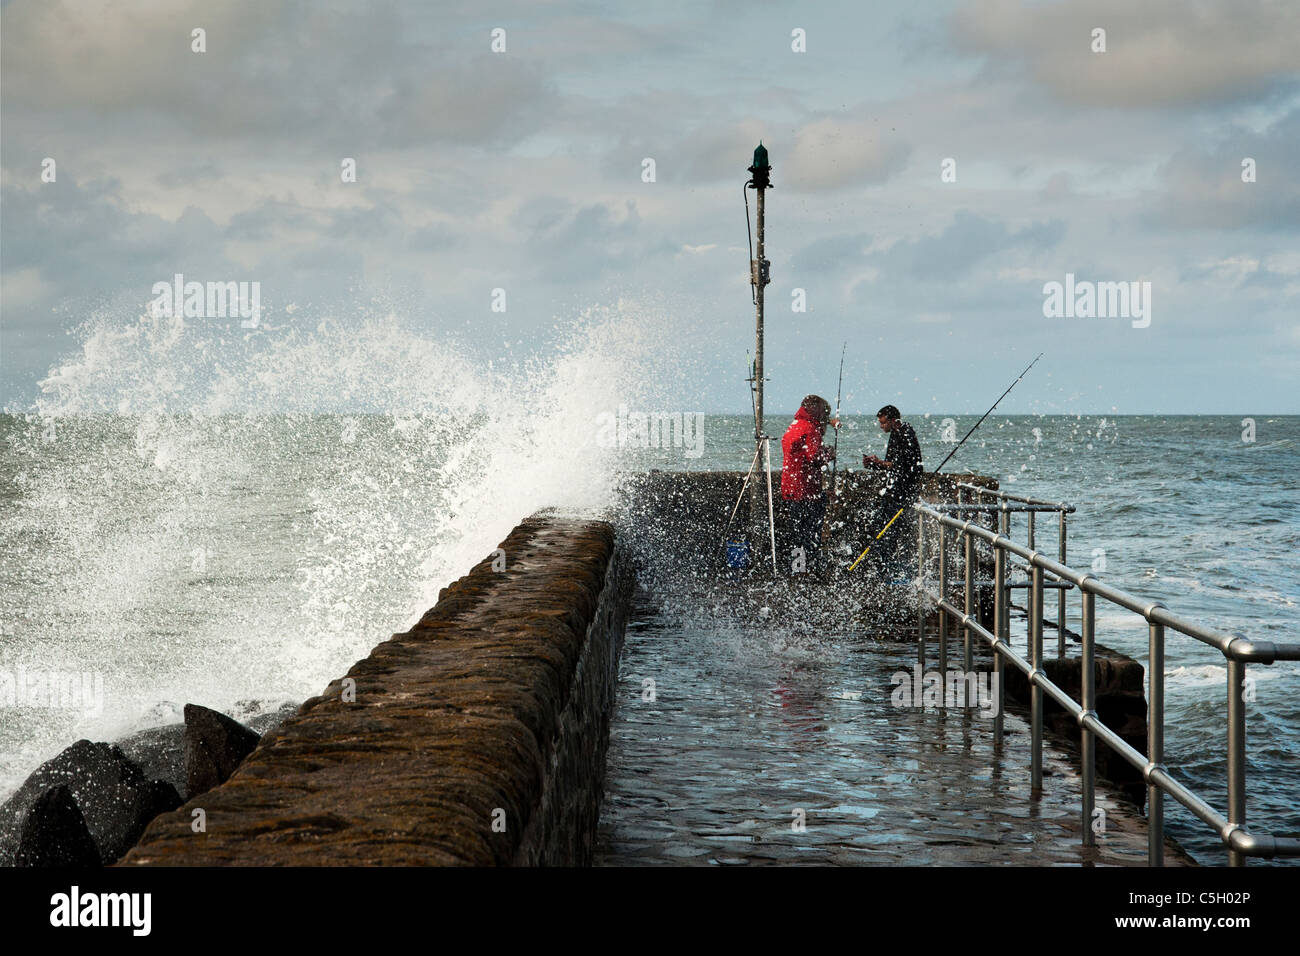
[739,498]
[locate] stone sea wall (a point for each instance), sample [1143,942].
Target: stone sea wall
[477,737]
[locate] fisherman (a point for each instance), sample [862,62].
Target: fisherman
[902,463]
[804,458]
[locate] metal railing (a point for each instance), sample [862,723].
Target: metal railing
[1237,652]
[1008,504]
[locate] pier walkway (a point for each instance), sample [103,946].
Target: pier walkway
[751,733]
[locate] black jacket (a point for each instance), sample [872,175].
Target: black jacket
[904,453]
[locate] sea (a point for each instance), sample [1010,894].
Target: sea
[184,519]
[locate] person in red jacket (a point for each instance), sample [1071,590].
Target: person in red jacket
[804,457]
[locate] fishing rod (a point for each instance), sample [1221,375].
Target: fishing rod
[835,459]
[950,454]
[988,413]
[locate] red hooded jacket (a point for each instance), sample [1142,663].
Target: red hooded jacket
[802,458]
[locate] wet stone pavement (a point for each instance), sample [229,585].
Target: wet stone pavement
[752,731]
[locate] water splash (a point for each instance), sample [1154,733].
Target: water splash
[233,519]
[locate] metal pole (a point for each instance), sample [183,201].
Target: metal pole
[756,278]
[758,322]
[1060,594]
[1088,742]
[1236,751]
[1156,743]
[1031,515]
[1036,694]
[999,611]
[1004,528]
[943,596]
[920,574]
[970,600]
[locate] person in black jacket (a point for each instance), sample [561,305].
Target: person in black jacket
[902,486]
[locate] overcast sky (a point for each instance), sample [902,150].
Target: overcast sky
[522,170]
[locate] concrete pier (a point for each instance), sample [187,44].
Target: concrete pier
[480,736]
[761,750]
[477,737]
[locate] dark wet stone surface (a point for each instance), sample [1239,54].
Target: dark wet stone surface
[115,798]
[55,833]
[749,726]
[214,746]
[473,738]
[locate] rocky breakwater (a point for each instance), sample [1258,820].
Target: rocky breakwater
[477,737]
[88,805]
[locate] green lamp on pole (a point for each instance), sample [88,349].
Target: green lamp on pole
[761,169]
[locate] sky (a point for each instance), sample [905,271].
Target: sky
[523,169]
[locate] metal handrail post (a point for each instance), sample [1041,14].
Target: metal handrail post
[1000,594]
[1032,515]
[943,596]
[1060,595]
[1004,529]
[969,604]
[1156,743]
[920,576]
[1036,694]
[1006,514]
[1087,742]
[1236,751]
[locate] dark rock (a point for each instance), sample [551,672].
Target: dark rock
[214,746]
[159,752]
[114,796]
[54,833]
[266,722]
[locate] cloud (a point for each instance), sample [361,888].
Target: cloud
[1201,186]
[832,154]
[106,56]
[968,240]
[23,287]
[84,241]
[589,240]
[268,219]
[715,153]
[1270,273]
[343,77]
[523,170]
[1159,53]
[830,254]
[1059,186]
